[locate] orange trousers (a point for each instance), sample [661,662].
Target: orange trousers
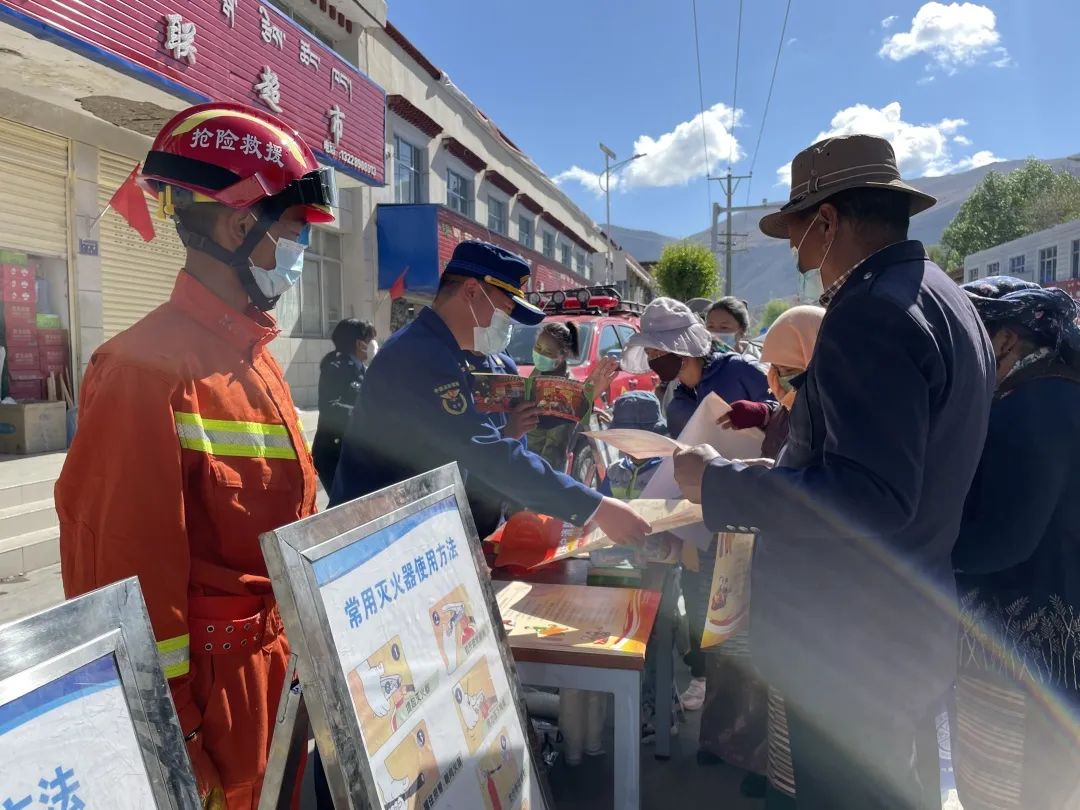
[240,658]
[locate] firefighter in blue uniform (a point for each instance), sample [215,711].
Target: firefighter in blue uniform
[415,411]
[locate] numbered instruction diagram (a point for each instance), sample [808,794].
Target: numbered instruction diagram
[429,688]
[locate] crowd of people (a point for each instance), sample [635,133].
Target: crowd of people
[913,527]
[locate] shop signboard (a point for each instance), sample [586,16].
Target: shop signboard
[225,50]
[85,715]
[407,674]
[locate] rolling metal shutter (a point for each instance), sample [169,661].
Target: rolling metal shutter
[34,191]
[136,276]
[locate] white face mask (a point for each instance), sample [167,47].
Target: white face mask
[810,286]
[495,337]
[727,338]
[288,265]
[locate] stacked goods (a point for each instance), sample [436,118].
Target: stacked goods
[36,348]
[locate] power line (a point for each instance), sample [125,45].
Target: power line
[735,87]
[768,98]
[701,103]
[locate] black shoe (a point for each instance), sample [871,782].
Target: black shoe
[753,786]
[705,758]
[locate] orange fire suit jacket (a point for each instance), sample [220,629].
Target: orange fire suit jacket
[188,447]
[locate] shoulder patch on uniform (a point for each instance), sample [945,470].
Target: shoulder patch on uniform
[453,400]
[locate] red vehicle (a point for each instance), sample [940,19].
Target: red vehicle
[604,324]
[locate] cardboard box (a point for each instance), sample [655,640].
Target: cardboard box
[23,358]
[33,427]
[26,385]
[18,284]
[20,334]
[53,359]
[52,338]
[20,314]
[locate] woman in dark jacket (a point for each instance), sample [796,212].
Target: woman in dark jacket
[340,375]
[1018,563]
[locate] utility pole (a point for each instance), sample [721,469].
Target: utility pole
[608,157]
[730,183]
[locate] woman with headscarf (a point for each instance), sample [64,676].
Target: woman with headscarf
[675,344]
[1015,741]
[788,347]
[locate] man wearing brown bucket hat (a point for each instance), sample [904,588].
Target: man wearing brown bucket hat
[853,611]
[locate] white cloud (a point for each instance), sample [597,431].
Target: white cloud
[952,36]
[922,150]
[888,21]
[673,158]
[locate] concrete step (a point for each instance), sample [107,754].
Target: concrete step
[19,494]
[29,551]
[27,517]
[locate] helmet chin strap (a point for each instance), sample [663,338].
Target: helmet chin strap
[239,260]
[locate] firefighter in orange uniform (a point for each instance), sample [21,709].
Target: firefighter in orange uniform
[189,445]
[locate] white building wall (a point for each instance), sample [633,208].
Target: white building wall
[1065,237]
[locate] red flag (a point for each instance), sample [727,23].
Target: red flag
[129,201]
[397,289]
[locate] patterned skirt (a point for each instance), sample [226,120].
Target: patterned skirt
[1013,749]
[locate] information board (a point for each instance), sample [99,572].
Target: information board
[407,679]
[85,715]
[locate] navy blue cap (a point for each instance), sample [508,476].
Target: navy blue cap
[503,270]
[639,410]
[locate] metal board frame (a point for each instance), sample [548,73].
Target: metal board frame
[290,554]
[112,621]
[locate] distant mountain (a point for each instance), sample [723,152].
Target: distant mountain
[762,266]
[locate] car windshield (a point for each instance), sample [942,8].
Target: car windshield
[523,339]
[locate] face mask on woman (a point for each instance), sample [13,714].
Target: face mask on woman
[780,386]
[667,366]
[543,363]
[727,338]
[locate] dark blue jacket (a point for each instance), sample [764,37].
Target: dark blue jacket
[853,597]
[486,502]
[730,376]
[340,378]
[415,413]
[1018,553]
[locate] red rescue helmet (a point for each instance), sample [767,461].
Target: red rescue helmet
[240,157]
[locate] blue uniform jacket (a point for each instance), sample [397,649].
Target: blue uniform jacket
[853,596]
[415,413]
[730,376]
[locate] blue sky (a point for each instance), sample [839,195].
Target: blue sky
[951,84]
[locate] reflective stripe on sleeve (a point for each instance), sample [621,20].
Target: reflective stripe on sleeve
[175,656]
[223,437]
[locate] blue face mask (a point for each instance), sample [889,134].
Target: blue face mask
[543,363]
[288,265]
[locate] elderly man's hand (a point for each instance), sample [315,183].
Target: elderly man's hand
[690,469]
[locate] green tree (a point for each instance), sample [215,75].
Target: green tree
[947,260]
[773,310]
[686,270]
[1004,207]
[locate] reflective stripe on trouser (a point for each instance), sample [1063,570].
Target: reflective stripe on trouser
[224,437]
[175,655]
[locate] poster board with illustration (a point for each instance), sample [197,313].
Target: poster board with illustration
[86,719]
[407,678]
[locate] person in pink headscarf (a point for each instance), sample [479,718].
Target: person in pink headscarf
[788,347]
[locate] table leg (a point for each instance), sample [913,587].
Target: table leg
[627,689]
[625,685]
[665,668]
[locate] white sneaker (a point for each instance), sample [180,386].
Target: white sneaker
[694,696]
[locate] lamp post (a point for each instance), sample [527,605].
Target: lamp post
[606,187]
